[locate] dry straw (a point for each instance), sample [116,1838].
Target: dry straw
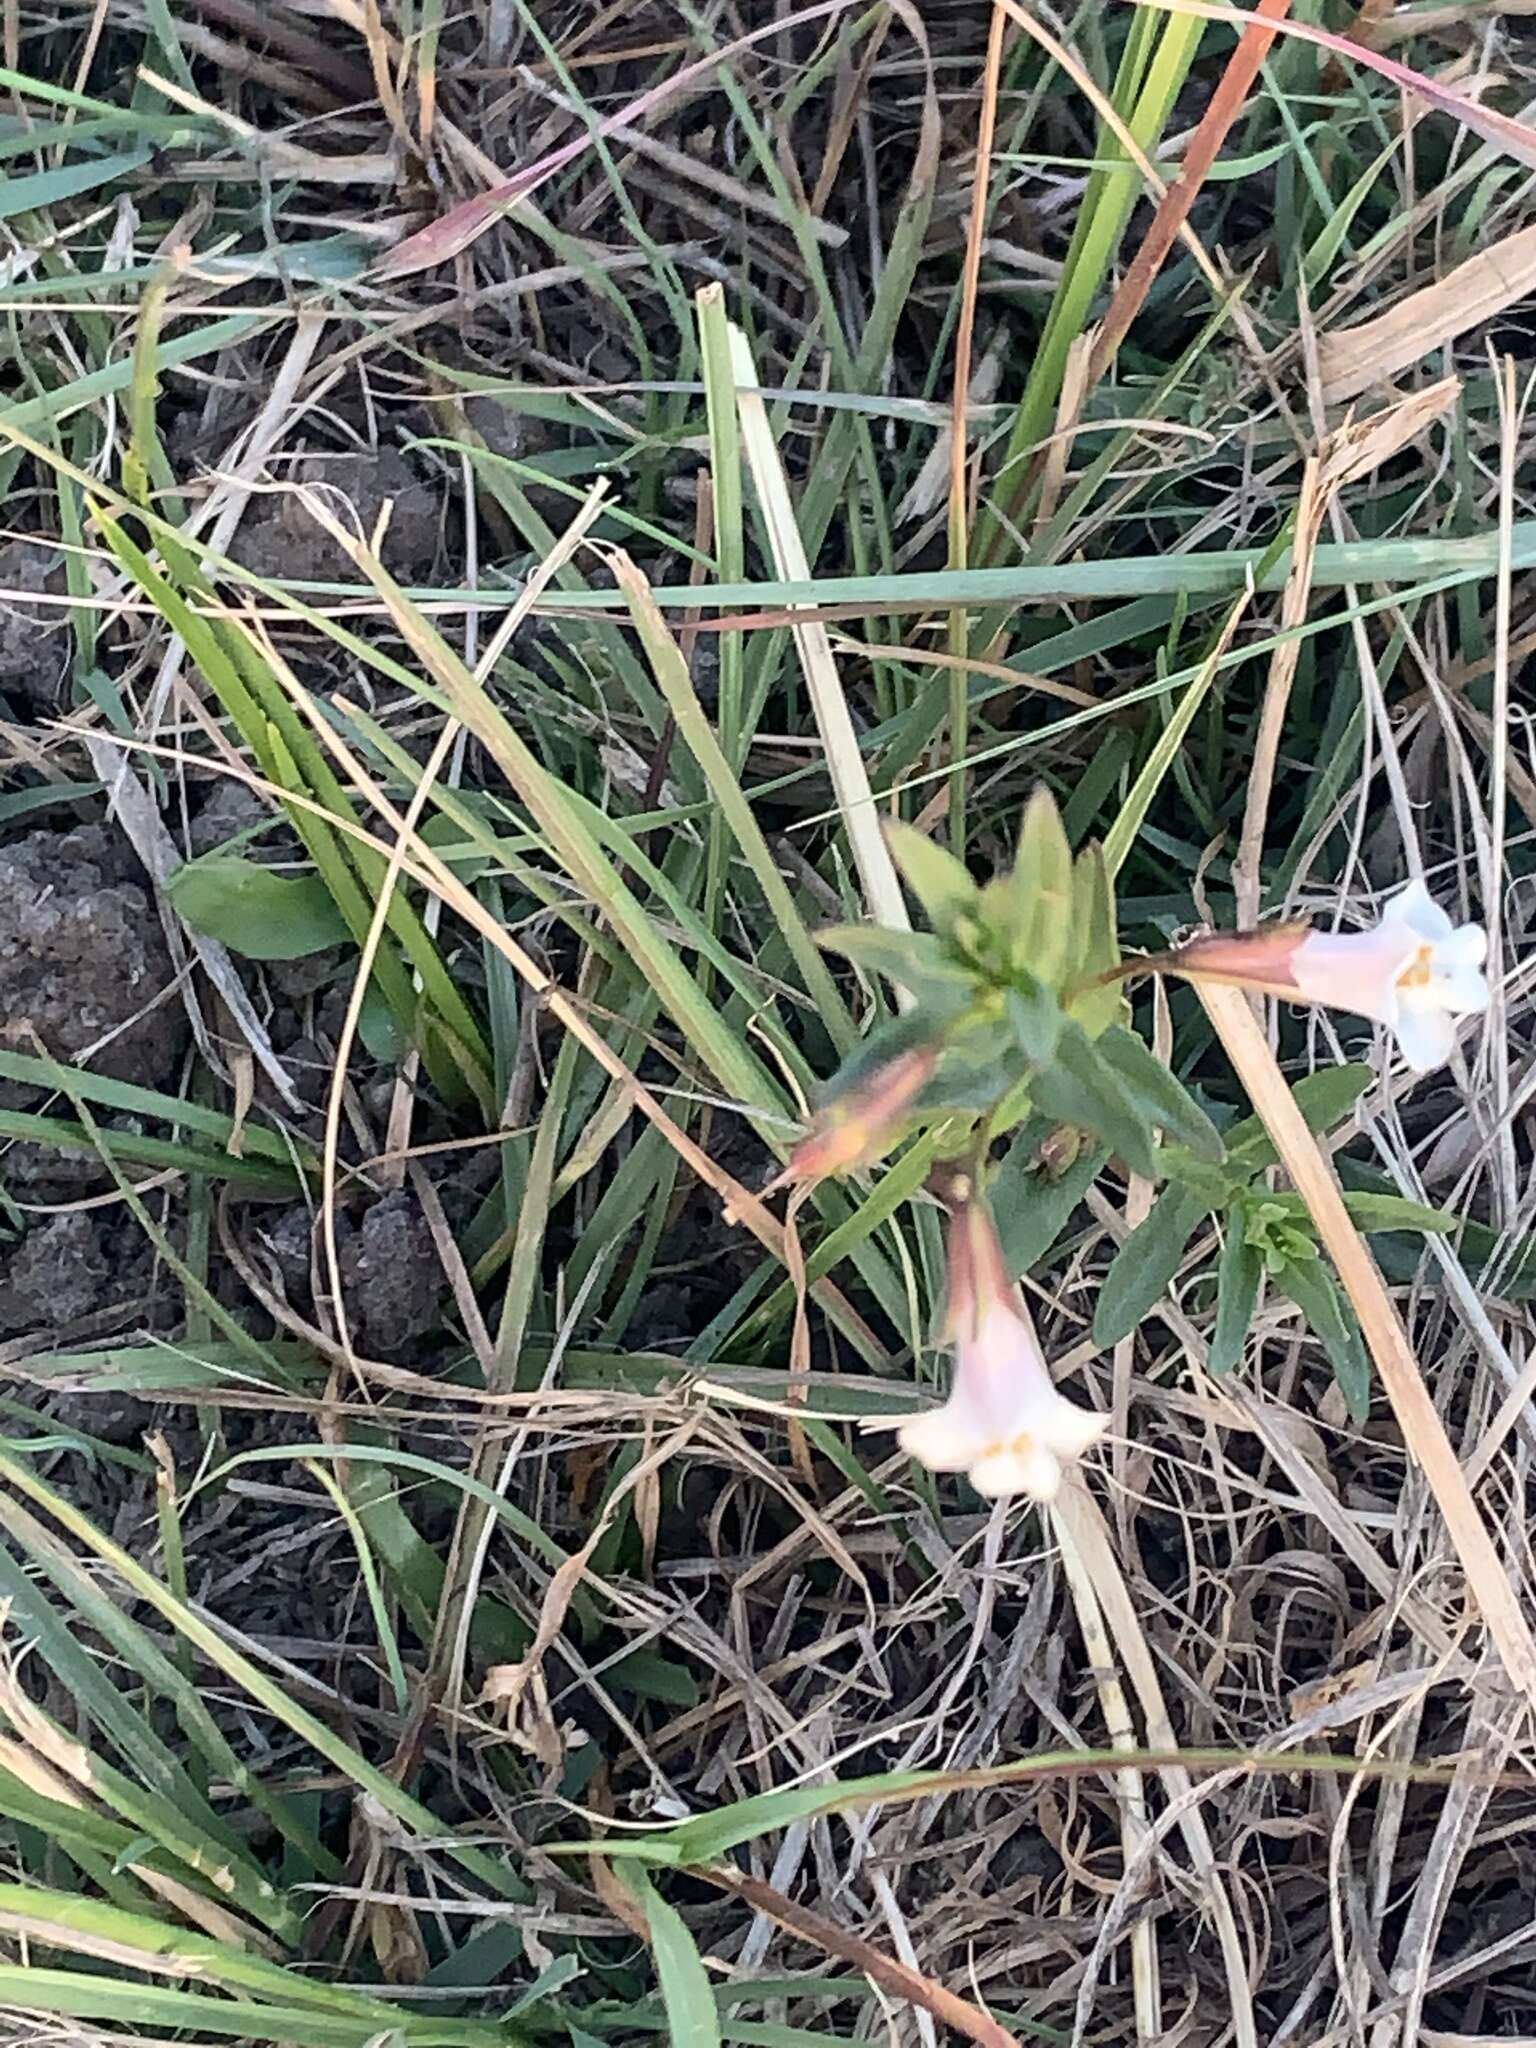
[1423,1431]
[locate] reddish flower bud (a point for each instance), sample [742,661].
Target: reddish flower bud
[866,1119]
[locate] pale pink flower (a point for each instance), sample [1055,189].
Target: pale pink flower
[1004,1422]
[1415,971]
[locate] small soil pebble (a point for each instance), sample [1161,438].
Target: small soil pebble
[392,1276]
[35,639]
[229,809]
[55,1276]
[280,537]
[82,961]
[85,1262]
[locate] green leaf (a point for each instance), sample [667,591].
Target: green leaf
[1212,1183]
[692,2018]
[62,1922]
[255,911]
[650,1676]
[888,1038]
[1029,1205]
[140,1103]
[941,883]
[1237,1291]
[913,959]
[1310,1285]
[1036,1019]
[1096,943]
[1159,1094]
[72,1994]
[1396,1212]
[128,1148]
[1325,1099]
[1145,1264]
[1040,892]
[1079,1089]
[979,1063]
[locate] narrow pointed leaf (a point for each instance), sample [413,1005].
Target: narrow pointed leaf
[1159,1094]
[1310,1285]
[254,911]
[1096,944]
[692,2018]
[1040,889]
[1145,1264]
[1079,1089]
[1395,1212]
[941,883]
[908,958]
[1325,1099]
[1237,1292]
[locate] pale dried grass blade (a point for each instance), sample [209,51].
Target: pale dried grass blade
[1078,1523]
[1423,1431]
[845,764]
[1351,452]
[1353,359]
[1121,1730]
[1075,384]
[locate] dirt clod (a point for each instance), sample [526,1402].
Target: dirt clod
[392,1276]
[280,537]
[83,1263]
[55,1275]
[229,809]
[82,961]
[35,641]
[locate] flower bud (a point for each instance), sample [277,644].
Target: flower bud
[865,1120]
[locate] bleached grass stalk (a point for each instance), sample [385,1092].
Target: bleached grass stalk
[1121,1730]
[845,764]
[1423,1431]
[1081,1530]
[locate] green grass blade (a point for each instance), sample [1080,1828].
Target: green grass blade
[692,2020]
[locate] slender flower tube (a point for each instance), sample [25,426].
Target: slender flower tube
[1004,1422]
[858,1125]
[1414,971]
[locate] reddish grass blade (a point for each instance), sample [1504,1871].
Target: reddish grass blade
[1513,137]
[1226,104]
[455,230]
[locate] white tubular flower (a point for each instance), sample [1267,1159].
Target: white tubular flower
[1004,1422]
[1415,971]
